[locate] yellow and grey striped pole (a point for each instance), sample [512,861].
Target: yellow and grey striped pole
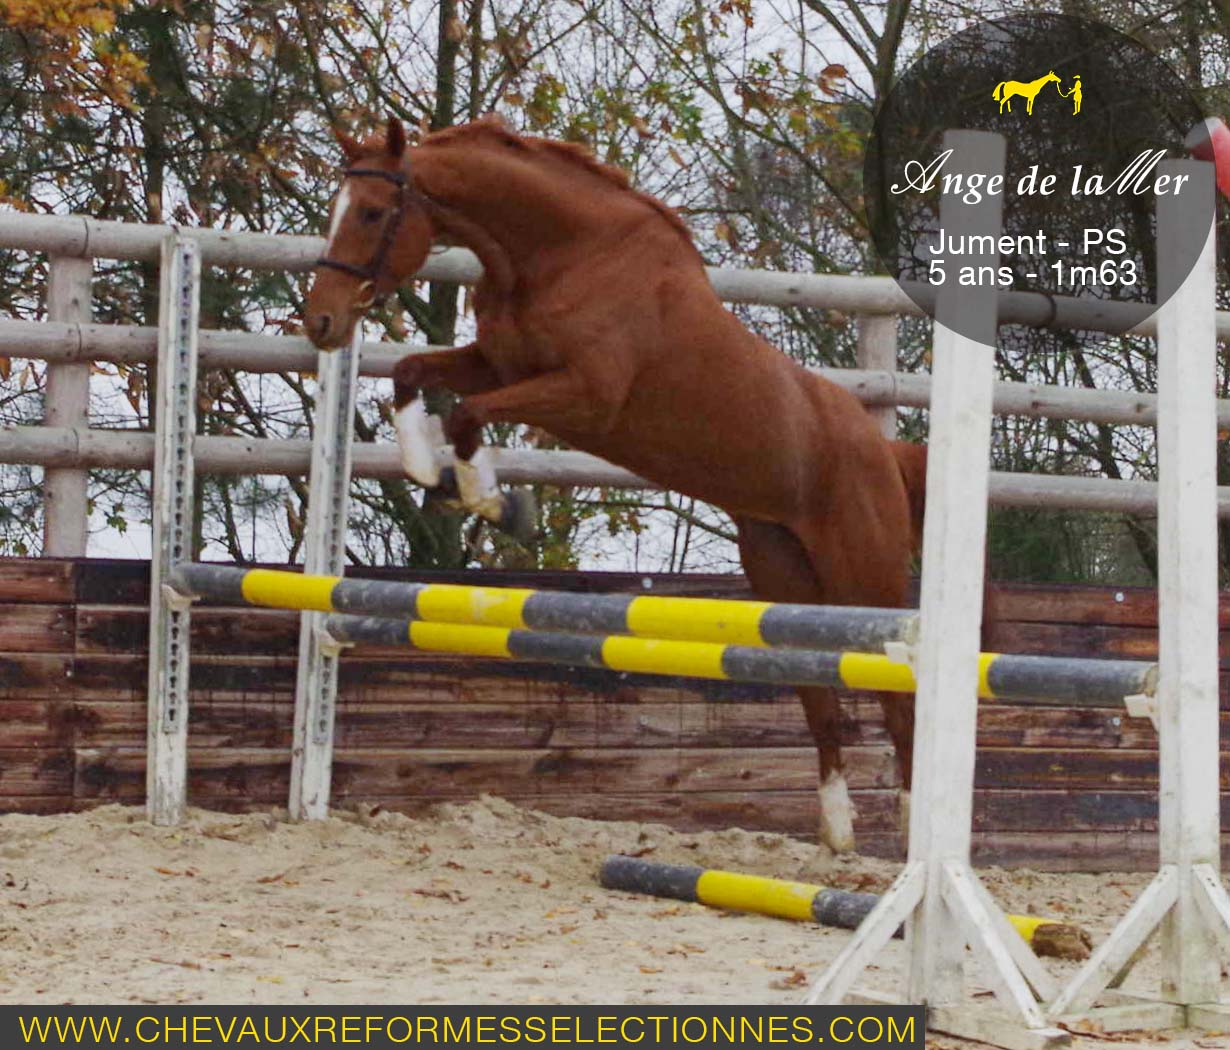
[1002,676]
[802,901]
[689,637]
[680,619]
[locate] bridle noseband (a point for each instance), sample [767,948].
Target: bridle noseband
[372,272]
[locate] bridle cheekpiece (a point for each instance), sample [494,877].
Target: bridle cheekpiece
[372,272]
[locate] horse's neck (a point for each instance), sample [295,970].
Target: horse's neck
[519,208]
[499,273]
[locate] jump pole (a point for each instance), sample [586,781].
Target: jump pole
[802,901]
[648,616]
[514,623]
[1001,676]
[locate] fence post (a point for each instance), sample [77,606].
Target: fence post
[167,737]
[877,352]
[66,515]
[324,553]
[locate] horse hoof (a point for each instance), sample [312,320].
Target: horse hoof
[446,488]
[476,482]
[519,516]
[836,814]
[418,436]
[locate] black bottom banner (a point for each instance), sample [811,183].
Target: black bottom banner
[697,1028]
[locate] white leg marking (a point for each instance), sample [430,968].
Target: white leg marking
[836,814]
[477,484]
[418,436]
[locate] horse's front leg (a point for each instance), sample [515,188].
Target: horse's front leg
[552,400]
[461,369]
[464,371]
[471,478]
[560,400]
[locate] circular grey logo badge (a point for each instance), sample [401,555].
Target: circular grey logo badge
[1090,119]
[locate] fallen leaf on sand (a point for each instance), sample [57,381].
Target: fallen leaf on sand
[174,962]
[452,896]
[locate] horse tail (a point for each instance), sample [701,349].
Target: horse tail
[998,93]
[912,462]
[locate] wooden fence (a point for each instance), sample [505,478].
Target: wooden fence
[1059,788]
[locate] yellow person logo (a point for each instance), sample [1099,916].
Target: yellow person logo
[1074,93]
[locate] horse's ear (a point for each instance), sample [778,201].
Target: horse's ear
[351,149]
[396,140]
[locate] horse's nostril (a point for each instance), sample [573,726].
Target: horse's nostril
[321,324]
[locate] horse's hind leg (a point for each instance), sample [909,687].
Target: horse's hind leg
[898,711]
[779,570]
[860,566]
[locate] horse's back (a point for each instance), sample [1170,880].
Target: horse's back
[705,406]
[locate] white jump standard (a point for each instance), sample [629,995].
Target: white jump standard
[937,891]
[1187,900]
[937,894]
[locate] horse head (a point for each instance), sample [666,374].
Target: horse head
[380,232]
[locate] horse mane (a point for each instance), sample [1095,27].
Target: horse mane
[582,156]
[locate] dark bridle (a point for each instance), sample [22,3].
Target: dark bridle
[370,273]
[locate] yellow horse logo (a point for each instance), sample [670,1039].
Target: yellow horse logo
[1005,90]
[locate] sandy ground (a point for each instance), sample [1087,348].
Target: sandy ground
[476,903]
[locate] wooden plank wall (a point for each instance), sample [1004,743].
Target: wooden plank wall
[1057,788]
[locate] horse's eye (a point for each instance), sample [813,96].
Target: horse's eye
[372,214]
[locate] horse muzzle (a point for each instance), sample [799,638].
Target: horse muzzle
[327,332]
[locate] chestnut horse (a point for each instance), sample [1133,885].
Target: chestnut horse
[596,322]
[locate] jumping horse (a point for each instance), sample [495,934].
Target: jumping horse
[596,322]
